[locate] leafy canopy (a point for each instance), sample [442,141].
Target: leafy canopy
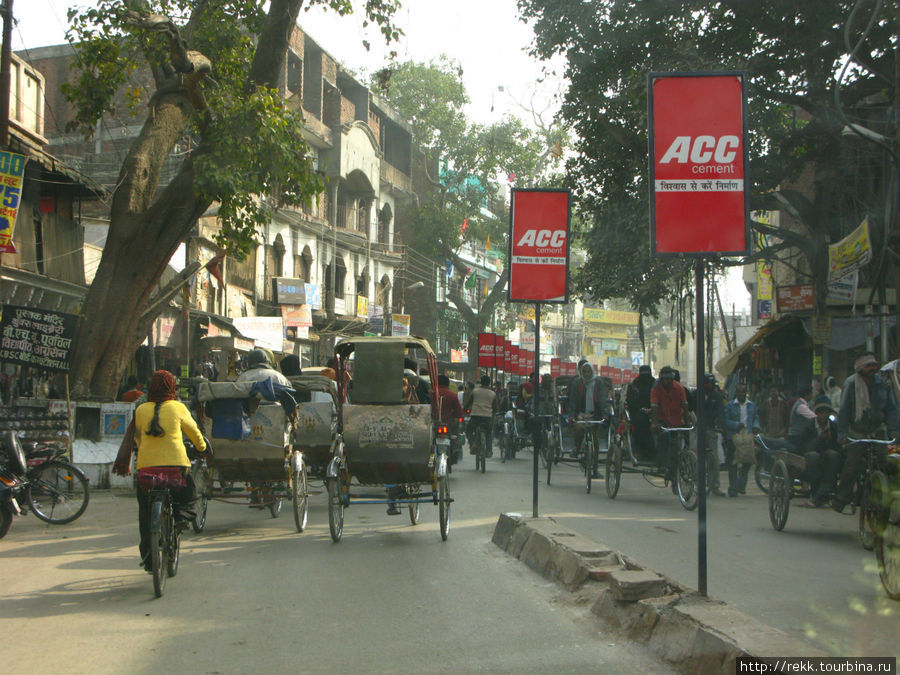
[246,141]
[793,53]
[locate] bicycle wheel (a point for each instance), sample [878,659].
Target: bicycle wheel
[275,506]
[887,554]
[444,506]
[57,492]
[589,462]
[551,458]
[174,548]
[414,513]
[613,470]
[872,507]
[686,478]
[300,498]
[199,521]
[159,540]
[335,509]
[781,490]
[6,518]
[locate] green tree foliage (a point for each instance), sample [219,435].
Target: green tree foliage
[207,70]
[474,161]
[800,98]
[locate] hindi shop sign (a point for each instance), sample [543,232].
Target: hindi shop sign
[37,337]
[698,187]
[539,246]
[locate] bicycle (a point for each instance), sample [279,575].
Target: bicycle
[590,451]
[482,446]
[684,480]
[165,532]
[57,491]
[872,490]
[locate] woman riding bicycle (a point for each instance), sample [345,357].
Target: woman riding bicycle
[158,427]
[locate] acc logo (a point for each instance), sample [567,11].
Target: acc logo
[543,238]
[702,149]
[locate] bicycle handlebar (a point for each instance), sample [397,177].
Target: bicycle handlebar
[876,441]
[668,429]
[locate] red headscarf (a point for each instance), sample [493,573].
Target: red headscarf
[162,387]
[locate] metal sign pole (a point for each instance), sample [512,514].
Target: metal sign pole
[701,434]
[537,399]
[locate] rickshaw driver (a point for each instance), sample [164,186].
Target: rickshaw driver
[588,400]
[668,406]
[259,369]
[484,405]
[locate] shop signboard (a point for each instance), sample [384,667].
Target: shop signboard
[613,316]
[698,198]
[456,356]
[38,338]
[610,331]
[844,289]
[266,331]
[340,307]
[554,367]
[376,319]
[637,358]
[821,329]
[539,246]
[610,345]
[486,344]
[850,253]
[294,316]
[795,298]
[764,309]
[289,291]
[313,295]
[400,324]
[362,306]
[12,173]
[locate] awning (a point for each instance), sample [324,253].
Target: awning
[727,365]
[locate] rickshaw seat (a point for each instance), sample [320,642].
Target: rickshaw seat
[388,444]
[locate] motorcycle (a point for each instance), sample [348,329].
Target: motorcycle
[12,482]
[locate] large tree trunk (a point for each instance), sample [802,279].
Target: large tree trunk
[141,240]
[145,229]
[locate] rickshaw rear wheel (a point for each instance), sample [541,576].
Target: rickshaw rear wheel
[872,504]
[300,498]
[781,490]
[444,506]
[199,521]
[686,478]
[335,509]
[414,513]
[275,506]
[887,554]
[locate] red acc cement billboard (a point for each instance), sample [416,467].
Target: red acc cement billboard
[698,186]
[539,246]
[486,346]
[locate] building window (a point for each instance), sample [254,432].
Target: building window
[294,73]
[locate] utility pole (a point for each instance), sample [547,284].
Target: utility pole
[5,71]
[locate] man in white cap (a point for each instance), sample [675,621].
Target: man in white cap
[867,405]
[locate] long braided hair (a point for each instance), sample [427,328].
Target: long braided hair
[162,389]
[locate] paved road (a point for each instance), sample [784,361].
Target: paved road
[813,580]
[251,595]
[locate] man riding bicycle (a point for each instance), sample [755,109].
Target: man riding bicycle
[668,406]
[158,427]
[588,400]
[483,405]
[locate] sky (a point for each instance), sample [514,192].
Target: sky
[485,37]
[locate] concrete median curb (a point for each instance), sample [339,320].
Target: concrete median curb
[693,633]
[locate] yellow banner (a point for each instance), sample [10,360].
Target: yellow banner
[12,173]
[850,253]
[592,315]
[764,286]
[362,306]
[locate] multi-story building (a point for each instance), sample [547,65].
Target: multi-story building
[335,258]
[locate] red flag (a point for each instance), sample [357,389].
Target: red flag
[465,226]
[214,267]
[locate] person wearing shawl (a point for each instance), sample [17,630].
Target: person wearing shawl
[158,427]
[867,404]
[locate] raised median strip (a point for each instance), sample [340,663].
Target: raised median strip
[694,633]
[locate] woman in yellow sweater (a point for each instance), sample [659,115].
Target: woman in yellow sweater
[158,427]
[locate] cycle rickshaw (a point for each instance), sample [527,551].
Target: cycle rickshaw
[871,494]
[621,459]
[383,441]
[252,426]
